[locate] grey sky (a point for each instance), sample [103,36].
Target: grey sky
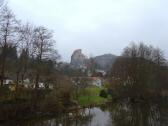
[98,26]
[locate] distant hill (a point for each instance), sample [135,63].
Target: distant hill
[105,61]
[102,62]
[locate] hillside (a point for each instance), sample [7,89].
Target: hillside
[105,61]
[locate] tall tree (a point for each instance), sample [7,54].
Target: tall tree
[24,48]
[43,49]
[2,3]
[140,70]
[8,28]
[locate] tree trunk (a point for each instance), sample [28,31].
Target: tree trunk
[3,66]
[37,81]
[22,78]
[4,57]
[17,85]
[2,73]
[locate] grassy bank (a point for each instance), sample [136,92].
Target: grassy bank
[90,96]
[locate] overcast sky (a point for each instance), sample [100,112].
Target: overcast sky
[98,26]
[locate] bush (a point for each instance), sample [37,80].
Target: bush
[103,94]
[110,91]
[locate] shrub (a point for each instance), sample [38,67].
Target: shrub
[103,94]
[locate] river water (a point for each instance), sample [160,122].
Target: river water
[118,114]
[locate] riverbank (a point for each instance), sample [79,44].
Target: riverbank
[139,113]
[29,103]
[90,96]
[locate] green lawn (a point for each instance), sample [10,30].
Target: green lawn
[85,100]
[90,95]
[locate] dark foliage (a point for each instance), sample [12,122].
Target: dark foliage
[103,94]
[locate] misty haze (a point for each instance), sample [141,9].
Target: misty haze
[83,63]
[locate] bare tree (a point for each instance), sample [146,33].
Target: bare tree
[2,2]
[140,70]
[43,49]
[131,51]
[158,57]
[145,52]
[25,49]
[8,28]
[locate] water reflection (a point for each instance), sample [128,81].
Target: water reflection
[118,114]
[124,114]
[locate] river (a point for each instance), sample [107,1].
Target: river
[118,114]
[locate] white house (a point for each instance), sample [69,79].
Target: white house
[101,71]
[97,82]
[51,86]
[41,85]
[8,81]
[27,83]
